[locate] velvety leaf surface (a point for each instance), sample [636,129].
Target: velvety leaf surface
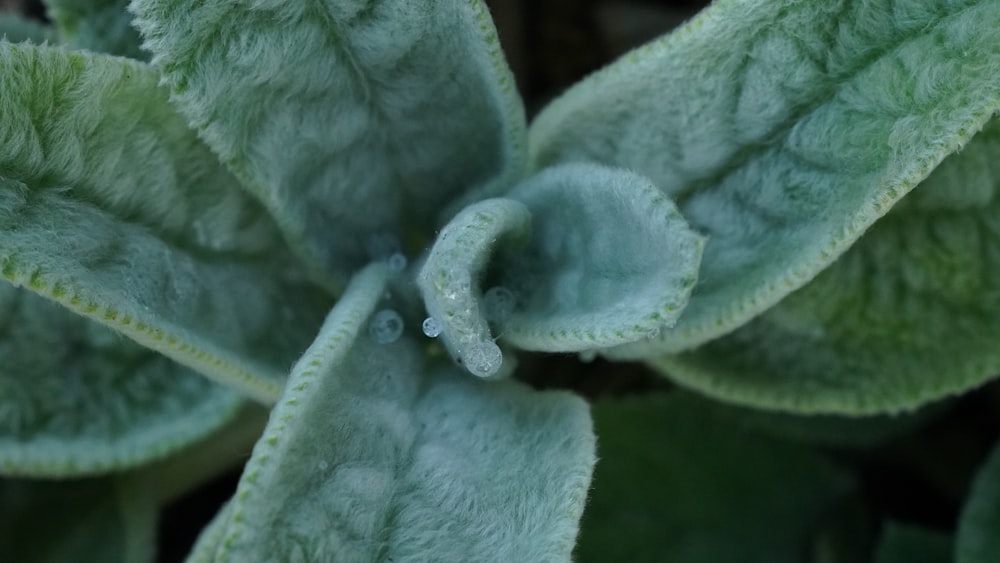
[610,260]
[783,130]
[104,26]
[581,257]
[17,29]
[110,206]
[348,119]
[977,540]
[909,544]
[677,484]
[450,279]
[77,398]
[910,314]
[367,457]
[106,520]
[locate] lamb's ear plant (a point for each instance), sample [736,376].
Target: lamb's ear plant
[337,211]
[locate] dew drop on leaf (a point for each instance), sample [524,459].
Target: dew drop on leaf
[498,304]
[483,359]
[386,326]
[431,327]
[397,262]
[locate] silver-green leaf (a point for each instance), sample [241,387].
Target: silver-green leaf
[909,315]
[372,456]
[76,398]
[110,206]
[382,113]
[783,130]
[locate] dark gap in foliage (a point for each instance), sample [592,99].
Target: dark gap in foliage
[592,380]
[552,44]
[182,520]
[923,478]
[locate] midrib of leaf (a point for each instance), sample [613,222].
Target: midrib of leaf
[779,134]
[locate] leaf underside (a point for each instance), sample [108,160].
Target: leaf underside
[677,484]
[783,130]
[110,206]
[382,113]
[368,458]
[909,315]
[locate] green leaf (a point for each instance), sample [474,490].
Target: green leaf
[677,484]
[76,398]
[370,457]
[110,206]
[977,540]
[382,112]
[909,315]
[104,26]
[107,520]
[16,29]
[831,431]
[610,260]
[450,279]
[583,257]
[783,130]
[908,544]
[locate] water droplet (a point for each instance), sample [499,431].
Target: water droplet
[483,359]
[386,326]
[588,356]
[498,304]
[323,465]
[397,262]
[432,327]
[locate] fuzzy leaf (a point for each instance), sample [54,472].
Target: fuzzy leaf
[909,315]
[104,26]
[110,206]
[977,540]
[381,113]
[909,544]
[107,520]
[16,29]
[677,484]
[450,279]
[76,398]
[610,260]
[783,130]
[589,257]
[367,457]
